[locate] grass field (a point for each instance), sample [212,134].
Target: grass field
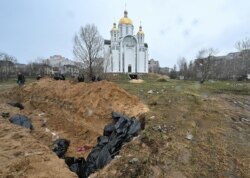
[5,85]
[192,130]
[187,86]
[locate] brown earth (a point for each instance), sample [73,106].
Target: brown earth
[22,155]
[191,130]
[219,148]
[59,109]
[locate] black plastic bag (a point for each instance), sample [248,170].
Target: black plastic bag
[102,141]
[108,129]
[115,116]
[16,104]
[134,128]
[59,77]
[60,147]
[22,121]
[122,130]
[76,165]
[103,158]
[115,134]
[5,114]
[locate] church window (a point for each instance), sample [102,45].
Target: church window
[126,30]
[129,41]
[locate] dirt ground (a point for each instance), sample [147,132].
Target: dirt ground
[192,130]
[23,155]
[63,109]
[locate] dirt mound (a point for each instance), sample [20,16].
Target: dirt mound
[94,100]
[23,156]
[75,111]
[136,81]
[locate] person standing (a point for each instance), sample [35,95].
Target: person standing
[20,79]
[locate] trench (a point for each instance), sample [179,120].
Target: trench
[121,130]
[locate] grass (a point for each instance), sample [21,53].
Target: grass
[196,109]
[151,83]
[12,82]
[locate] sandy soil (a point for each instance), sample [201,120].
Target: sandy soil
[22,155]
[136,81]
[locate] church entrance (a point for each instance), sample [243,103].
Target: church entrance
[129,49]
[129,68]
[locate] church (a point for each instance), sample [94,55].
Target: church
[125,52]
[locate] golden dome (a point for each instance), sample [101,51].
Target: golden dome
[114,27]
[140,32]
[125,19]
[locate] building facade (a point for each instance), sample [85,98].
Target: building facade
[125,52]
[62,65]
[153,66]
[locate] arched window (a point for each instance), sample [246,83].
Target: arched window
[129,41]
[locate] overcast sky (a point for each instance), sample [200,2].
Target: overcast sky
[173,28]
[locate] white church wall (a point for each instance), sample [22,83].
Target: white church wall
[146,61]
[107,61]
[129,59]
[141,61]
[115,54]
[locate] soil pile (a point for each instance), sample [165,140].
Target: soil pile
[74,111]
[24,156]
[96,100]
[136,81]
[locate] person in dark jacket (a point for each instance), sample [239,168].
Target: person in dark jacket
[80,78]
[20,79]
[93,78]
[98,78]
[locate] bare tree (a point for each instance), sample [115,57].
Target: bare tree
[38,66]
[7,66]
[244,47]
[173,73]
[182,64]
[88,45]
[204,61]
